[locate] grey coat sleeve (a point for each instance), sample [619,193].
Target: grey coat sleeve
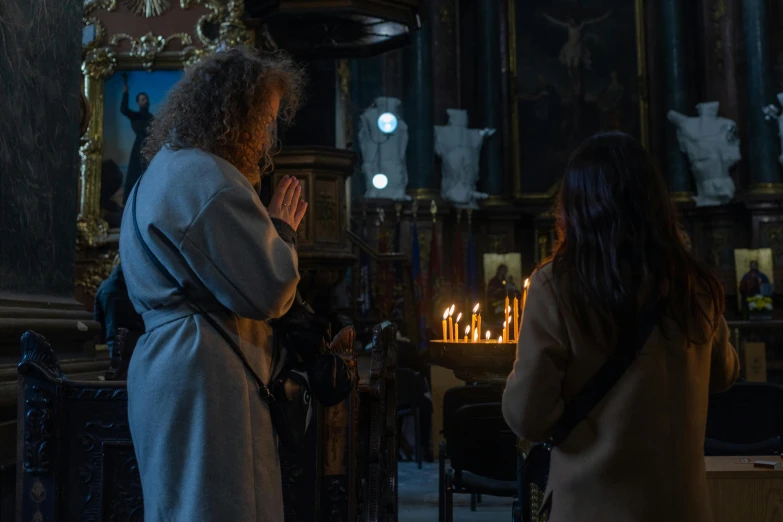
[235,251]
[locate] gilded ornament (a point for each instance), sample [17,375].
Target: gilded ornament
[147,8]
[90,232]
[100,63]
[95,272]
[147,48]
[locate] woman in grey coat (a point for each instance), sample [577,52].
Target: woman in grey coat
[203,437]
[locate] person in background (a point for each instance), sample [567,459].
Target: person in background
[639,454]
[111,182]
[113,308]
[140,122]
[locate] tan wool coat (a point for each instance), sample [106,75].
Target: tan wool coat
[639,455]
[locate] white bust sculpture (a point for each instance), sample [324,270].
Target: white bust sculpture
[460,149]
[384,153]
[774,113]
[712,145]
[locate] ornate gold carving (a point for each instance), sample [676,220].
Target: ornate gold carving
[766,189]
[99,64]
[147,8]
[147,48]
[95,272]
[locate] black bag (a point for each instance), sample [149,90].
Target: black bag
[288,395]
[306,338]
[633,336]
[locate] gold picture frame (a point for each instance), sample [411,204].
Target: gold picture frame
[742,259]
[515,159]
[104,54]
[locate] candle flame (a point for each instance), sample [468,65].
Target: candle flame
[500,339]
[446,314]
[467,330]
[509,309]
[459,316]
[475,335]
[488,335]
[476,308]
[504,324]
[527,282]
[451,310]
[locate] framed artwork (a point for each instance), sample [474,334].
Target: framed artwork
[576,67]
[125,119]
[146,47]
[755,275]
[502,275]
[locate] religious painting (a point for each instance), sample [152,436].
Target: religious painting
[131,98]
[575,70]
[754,282]
[502,276]
[143,50]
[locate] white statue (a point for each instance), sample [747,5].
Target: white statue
[383,154]
[712,145]
[774,113]
[460,149]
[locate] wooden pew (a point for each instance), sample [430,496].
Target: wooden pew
[74,450]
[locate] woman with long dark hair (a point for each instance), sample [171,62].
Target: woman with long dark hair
[638,455]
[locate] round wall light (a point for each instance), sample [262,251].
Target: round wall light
[387,122]
[380,181]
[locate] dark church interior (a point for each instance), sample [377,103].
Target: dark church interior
[445,319]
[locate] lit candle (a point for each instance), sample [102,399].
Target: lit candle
[445,331]
[488,336]
[505,311]
[478,323]
[524,302]
[467,332]
[516,319]
[473,318]
[505,330]
[500,339]
[451,324]
[456,327]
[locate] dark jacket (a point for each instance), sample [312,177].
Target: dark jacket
[113,308]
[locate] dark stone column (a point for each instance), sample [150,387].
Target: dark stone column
[39,170]
[763,148]
[489,95]
[676,95]
[445,77]
[418,112]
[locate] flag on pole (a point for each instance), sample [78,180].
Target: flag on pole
[472,270]
[418,283]
[365,298]
[433,296]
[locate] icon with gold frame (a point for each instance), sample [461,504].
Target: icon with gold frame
[197,28]
[754,281]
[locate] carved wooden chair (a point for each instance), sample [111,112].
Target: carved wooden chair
[377,438]
[75,455]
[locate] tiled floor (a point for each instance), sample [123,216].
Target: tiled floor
[418,499]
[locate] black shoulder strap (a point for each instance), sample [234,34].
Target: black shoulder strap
[630,341]
[262,388]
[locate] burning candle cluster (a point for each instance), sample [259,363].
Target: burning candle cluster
[472,333]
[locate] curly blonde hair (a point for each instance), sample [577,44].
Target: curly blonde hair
[219,107]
